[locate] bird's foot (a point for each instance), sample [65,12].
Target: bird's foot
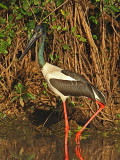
[77,138]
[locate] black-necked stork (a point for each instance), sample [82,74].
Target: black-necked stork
[65,83]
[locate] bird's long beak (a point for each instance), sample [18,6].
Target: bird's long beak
[30,43]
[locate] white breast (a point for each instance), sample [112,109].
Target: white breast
[50,71]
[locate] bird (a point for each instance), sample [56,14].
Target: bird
[65,83]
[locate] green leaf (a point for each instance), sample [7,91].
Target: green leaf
[54,27]
[3,115]
[113,8]
[73,103]
[19,16]
[45,84]
[53,19]
[25,5]
[13,2]
[9,40]
[64,13]
[36,2]
[9,26]
[28,13]
[66,47]
[93,19]
[16,88]
[3,46]
[36,10]
[14,98]
[29,34]
[64,29]
[106,1]
[78,36]
[59,28]
[10,18]
[2,34]
[2,20]
[44,4]
[21,87]
[45,92]
[73,29]
[3,6]
[118,115]
[51,57]
[12,33]
[31,24]
[58,2]
[31,96]
[82,39]
[95,37]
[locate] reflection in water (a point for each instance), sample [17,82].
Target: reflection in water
[95,148]
[100,148]
[23,143]
[66,145]
[77,149]
[78,152]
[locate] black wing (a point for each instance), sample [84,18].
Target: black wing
[73,88]
[76,76]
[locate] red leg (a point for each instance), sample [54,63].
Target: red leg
[78,152]
[66,131]
[77,139]
[66,117]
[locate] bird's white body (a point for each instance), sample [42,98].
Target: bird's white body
[51,71]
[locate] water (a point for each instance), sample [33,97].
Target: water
[20,141]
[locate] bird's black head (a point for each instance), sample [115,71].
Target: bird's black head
[39,31]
